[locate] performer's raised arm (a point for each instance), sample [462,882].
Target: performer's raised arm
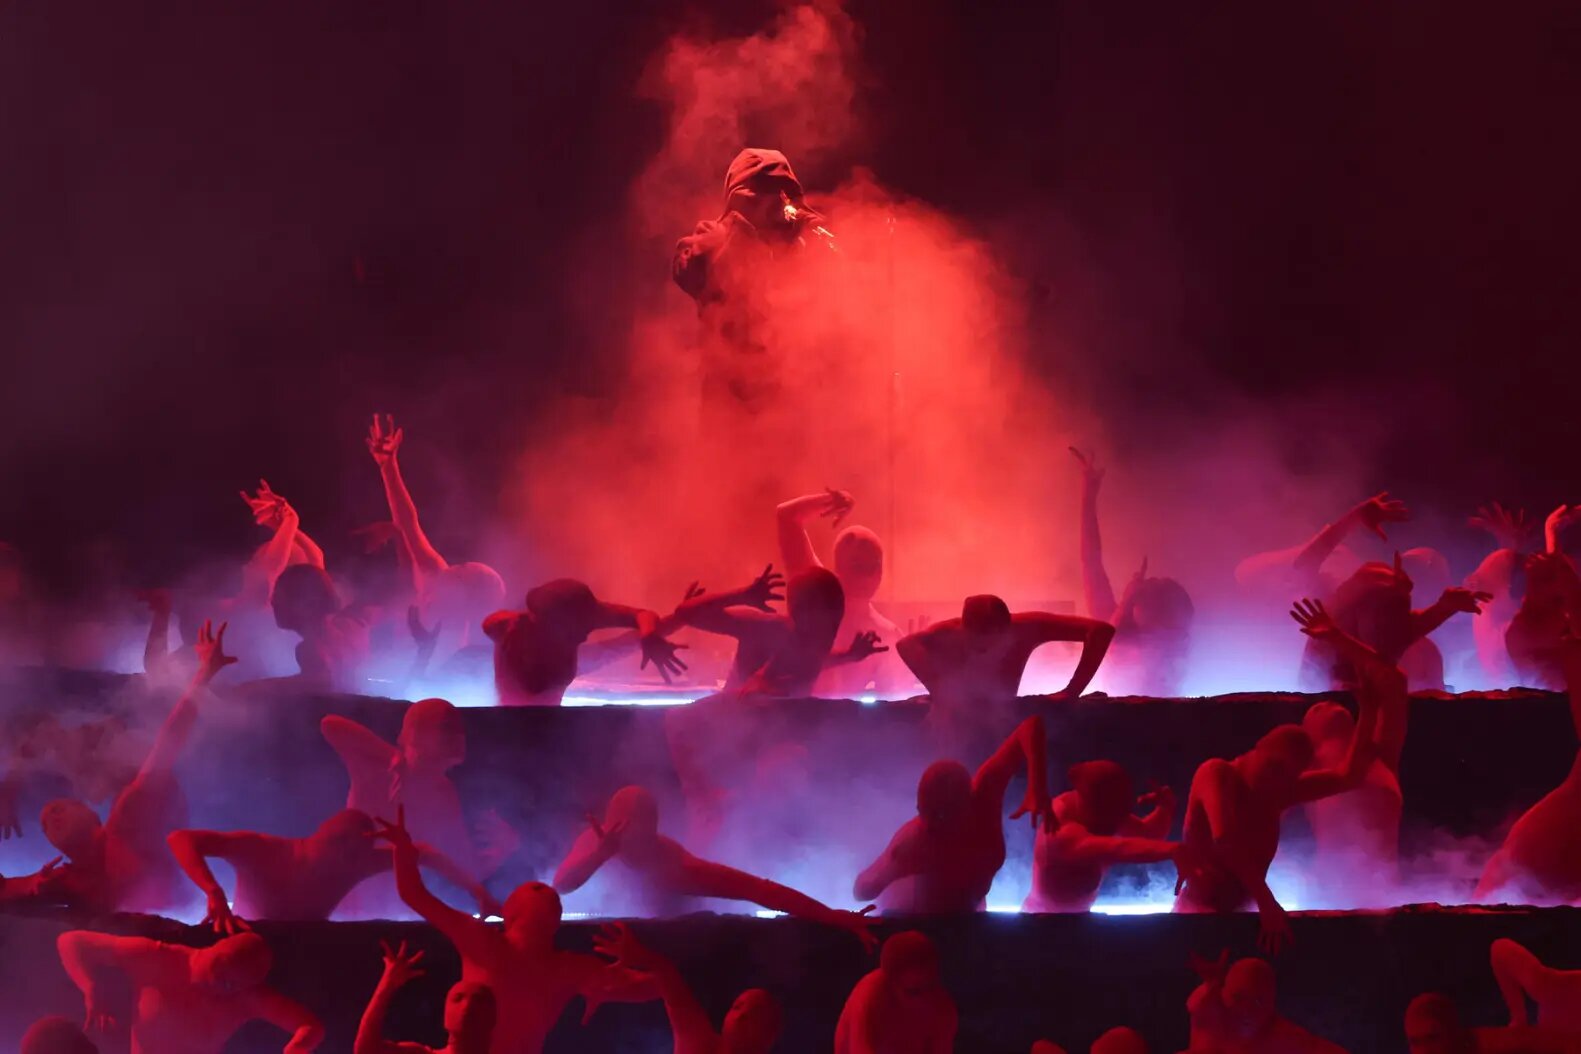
[1036,628]
[792,517]
[689,1023]
[1096,588]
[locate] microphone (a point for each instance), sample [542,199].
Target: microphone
[800,215]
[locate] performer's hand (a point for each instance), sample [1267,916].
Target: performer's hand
[1091,473]
[1379,510]
[1510,527]
[1465,600]
[1038,806]
[662,654]
[1314,620]
[210,647]
[838,505]
[764,591]
[400,966]
[865,645]
[384,440]
[221,918]
[1274,934]
[859,924]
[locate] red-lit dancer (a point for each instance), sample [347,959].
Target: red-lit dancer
[1374,606]
[1151,619]
[532,980]
[1233,1010]
[945,858]
[413,772]
[1358,831]
[971,667]
[178,1000]
[1433,1026]
[248,612]
[1233,813]
[56,1035]
[1539,624]
[1522,976]
[298,879]
[1540,860]
[535,651]
[1501,575]
[123,863]
[629,833]
[752,1024]
[1093,830]
[453,598]
[779,655]
[902,1007]
[859,564]
[470,1011]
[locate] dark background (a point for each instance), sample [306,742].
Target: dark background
[1243,202]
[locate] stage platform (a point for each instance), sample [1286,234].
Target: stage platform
[1472,762]
[1015,978]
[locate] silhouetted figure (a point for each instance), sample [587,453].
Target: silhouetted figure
[1522,976]
[779,655]
[1233,814]
[454,598]
[178,1000]
[1151,619]
[1539,625]
[470,1011]
[298,879]
[752,1025]
[944,859]
[731,267]
[629,833]
[56,1035]
[532,980]
[1433,1026]
[859,565]
[335,640]
[1093,830]
[123,864]
[1233,1009]
[413,772]
[1358,832]
[1374,606]
[1501,575]
[901,1007]
[535,651]
[971,666]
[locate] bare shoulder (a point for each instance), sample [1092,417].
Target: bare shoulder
[1214,772]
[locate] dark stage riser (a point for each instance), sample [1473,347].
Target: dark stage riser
[1471,765]
[1015,978]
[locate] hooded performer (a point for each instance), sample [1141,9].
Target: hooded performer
[729,265]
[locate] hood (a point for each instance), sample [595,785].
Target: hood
[754,163]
